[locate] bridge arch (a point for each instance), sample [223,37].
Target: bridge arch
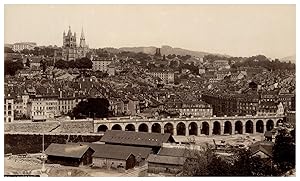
[116,127]
[181,128]
[193,129]
[238,127]
[227,127]
[102,128]
[156,128]
[205,128]
[270,125]
[143,127]
[216,128]
[249,126]
[260,126]
[129,127]
[168,128]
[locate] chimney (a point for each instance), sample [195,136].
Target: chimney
[60,94]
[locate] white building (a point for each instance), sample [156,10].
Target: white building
[165,75]
[8,109]
[23,45]
[43,107]
[101,65]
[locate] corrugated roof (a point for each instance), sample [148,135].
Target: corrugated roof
[166,159]
[66,150]
[135,138]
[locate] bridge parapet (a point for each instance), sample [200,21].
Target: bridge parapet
[188,119]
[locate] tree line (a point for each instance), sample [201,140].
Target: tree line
[253,61]
[81,63]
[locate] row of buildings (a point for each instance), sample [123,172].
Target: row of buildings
[152,153]
[251,103]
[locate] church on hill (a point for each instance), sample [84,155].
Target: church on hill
[70,49]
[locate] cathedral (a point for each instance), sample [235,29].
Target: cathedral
[70,49]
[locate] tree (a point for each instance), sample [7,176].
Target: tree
[8,50]
[239,163]
[93,108]
[44,65]
[83,63]
[284,151]
[11,67]
[61,64]
[27,62]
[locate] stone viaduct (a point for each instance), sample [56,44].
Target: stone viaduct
[192,126]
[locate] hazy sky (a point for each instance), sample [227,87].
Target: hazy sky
[237,30]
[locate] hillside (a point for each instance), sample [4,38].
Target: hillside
[166,50]
[289,58]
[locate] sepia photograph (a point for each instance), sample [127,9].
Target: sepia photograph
[149,90]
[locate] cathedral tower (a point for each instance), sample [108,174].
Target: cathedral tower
[70,49]
[69,45]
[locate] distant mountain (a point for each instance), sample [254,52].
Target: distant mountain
[148,50]
[166,50]
[289,58]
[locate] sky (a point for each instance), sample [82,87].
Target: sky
[236,30]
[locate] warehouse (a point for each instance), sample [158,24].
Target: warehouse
[137,139]
[113,159]
[69,154]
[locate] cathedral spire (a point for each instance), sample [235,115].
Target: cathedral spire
[69,32]
[82,34]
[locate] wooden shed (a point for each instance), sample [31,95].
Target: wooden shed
[69,154]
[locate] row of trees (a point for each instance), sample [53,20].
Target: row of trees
[81,63]
[253,61]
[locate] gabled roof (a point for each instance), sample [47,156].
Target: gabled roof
[135,138]
[66,150]
[263,146]
[143,152]
[113,154]
[175,152]
[166,159]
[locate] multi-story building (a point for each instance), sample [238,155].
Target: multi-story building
[23,45]
[21,106]
[189,108]
[8,109]
[101,64]
[222,104]
[43,107]
[221,64]
[67,104]
[270,109]
[167,76]
[247,104]
[196,108]
[286,99]
[70,49]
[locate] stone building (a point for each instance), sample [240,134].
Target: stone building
[8,109]
[70,49]
[43,107]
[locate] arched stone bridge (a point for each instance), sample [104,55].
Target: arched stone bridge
[193,126]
